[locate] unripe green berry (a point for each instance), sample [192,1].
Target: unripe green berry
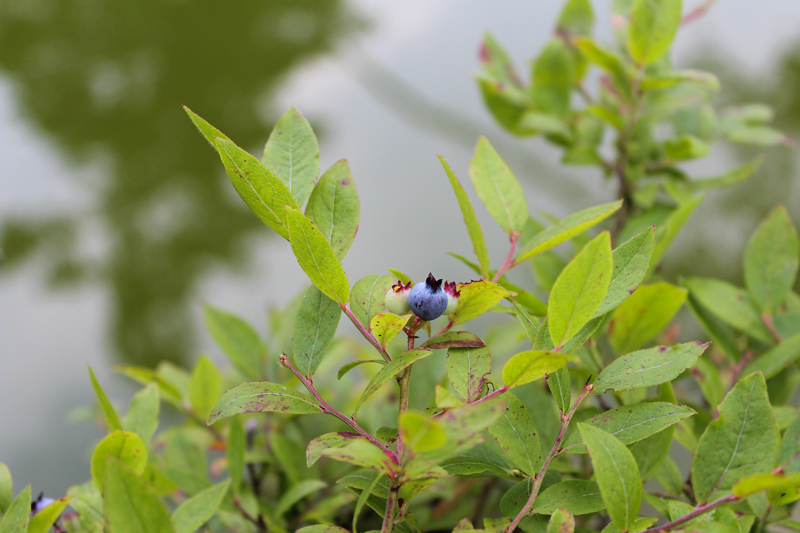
[396,300]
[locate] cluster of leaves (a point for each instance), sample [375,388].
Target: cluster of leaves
[557,437]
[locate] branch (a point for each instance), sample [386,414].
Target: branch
[365,332]
[493,394]
[767,319]
[565,419]
[509,263]
[698,12]
[697,511]
[327,409]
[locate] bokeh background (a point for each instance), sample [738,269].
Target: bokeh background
[117,221]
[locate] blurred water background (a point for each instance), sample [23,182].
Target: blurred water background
[117,221]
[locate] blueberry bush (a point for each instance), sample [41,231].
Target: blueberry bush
[576,431]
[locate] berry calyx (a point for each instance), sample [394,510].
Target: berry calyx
[452,297]
[428,300]
[396,299]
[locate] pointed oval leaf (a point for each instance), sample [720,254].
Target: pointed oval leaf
[391,368]
[363,453]
[516,434]
[208,131]
[631,423]
[421,433]
[742,441]
[731,304]
[314,328]
[498,188]
[476,298]
[262,397]
[262,191]
[561,521]
[6,488]
[470,220]
[109,414]
[577,496]
[774,360]
[646,368]
[292,154]
[335,208]
[44,519]
[197,510]
[316,257]
[467,369]
[453,339]
[771,260]
[16,518]
[789,455]
[237,339]
[368,295]
[531,365]
[559,384]
[652,27]
[617,475]
[142,417]
[769,481]
[580,289]
[234,452]
[325,441]
[205,386]
[386,326]
[130,505]
[298,492]
[551,86]
[566,229]
[124,446]
[322,528]
[644,315]
[350,366]
[631,261]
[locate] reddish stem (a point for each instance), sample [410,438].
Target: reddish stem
[697,511]
[365,332]
[698,12]
[509,263]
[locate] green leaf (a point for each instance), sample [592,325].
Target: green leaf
[685,147]
[391,368]
[208,131]
[362,500]
[562,521]
[577,496]
[205,386]
[130,505]
[142,417]
[292,154]
[386,326]
[6,488]
[237,339]
[124,446]
[758,482]
[467,369]
[322,528]
[529,324]
[731,304]
[631,423]
[617,475]
[361,453]
[631,261]
[197,510]
[497,188]
[109,414]
[327,440]
[262,191]
[469,466]
[316,257]
[653,452]
[470,220]
[667,232]
[43,520]
[566,229]
[16,518]
[580,289]
[476,298]
[608,61]
[517,436]
[335,208]
[652,27]
[644,315]
[262,397]
[576,18]
[421,433]
[788,457]
[720,333]
[531,365]
[758,136]
[671,79]
[551,86]
[728,179]
[559,384]
[776,359]
[367,296]
[298,492]
[649,367]
[742,441]
[350,366]
[453,339]
[464,426]
[235,451]
[314,328]
[771,260]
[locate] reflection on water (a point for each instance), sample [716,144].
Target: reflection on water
[107,78]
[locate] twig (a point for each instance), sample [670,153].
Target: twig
[509,262]
[698,12]
[767,319]
[259,522]
[327,409]
[449,325]
[391,509]
[738,367]
[365,332]
[565,419]
[697,511]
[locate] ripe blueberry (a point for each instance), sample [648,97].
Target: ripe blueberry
[397,298]
[428,300]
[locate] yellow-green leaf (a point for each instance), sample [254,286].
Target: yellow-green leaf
[531,365]
[391,368]
[292,154]
[124,446]
[386,326]
[644,315]
[476,298]
[421,433]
